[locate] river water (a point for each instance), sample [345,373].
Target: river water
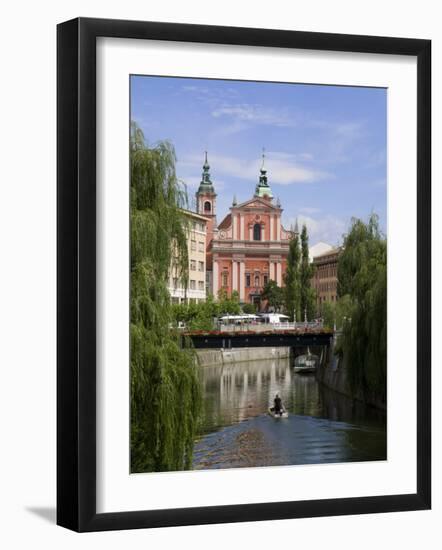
[323,426]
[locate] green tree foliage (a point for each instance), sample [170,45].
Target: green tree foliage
[328,314]
[165,390]
[362,283]
[343,309]
[292,280]
[336,312]
[228,305]
[307,294]
[249,308]
[201,316]
[299,296]
[274,295]
[197,316]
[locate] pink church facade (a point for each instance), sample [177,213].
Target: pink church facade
[249,247]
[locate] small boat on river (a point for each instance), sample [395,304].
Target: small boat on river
[282,414]
[306,364]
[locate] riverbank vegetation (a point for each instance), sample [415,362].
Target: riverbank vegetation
[165,390]
[362,289]
[273,295]
[335,314]
[202,316]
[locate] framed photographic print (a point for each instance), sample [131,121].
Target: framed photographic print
[243,274]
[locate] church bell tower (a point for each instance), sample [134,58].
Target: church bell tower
[262,187]
[206,206]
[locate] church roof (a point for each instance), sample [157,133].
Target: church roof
[226,223]
[258,202]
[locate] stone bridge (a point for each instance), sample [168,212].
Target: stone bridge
[272,338]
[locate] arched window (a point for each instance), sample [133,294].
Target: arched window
[256,280]
[257,232]
[207,206]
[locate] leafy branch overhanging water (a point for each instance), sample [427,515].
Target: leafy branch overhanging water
[165,390]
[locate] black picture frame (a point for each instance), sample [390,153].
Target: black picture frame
[76,274]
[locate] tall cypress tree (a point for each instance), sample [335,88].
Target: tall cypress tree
[292,279]
[165,390]
[307,299]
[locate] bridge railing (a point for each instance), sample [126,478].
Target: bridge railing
[265,327]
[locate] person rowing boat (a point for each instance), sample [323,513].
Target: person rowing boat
[278,409]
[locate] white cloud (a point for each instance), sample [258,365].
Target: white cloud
[255,113]
[190,181]
[327,228]
[199,89]
[193,182]
[230,129]
[340,138]
[282,168]
[210,95]
[310,210]
[348,130]
[283,155]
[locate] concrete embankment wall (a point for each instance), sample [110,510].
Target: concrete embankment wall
[333,373]
[210,357]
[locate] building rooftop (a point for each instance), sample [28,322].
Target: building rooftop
[330,252]
[195,215]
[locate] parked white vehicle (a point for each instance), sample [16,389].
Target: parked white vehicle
[274,318]
[238,319]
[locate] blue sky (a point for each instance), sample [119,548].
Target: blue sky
[325,146]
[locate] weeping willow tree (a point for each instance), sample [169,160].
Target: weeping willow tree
[362,283]
[165,391]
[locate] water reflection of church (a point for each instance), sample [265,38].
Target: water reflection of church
[249,247]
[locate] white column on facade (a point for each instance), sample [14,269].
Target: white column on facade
[242,282]
[278,228]
[279,274]
[271,227]
[215,277]
[234,275]
[272,270]
[250,233]
[241,225]
[235,226]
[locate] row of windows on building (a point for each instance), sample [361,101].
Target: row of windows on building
[178,300]
[193,265]
[192,284]
[200,245]
[333,298]
[326,287]
[257,232]
[327,271]
[199,226]
[256,279]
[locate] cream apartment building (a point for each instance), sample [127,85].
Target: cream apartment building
[196,241]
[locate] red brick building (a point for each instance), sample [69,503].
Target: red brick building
[325,279]
[249,247]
